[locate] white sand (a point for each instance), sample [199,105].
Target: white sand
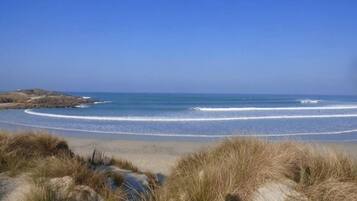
[159,156]
[154,156]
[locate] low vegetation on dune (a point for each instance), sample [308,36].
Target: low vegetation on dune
[242,169]
[250,169]
[49,165]
[17,152]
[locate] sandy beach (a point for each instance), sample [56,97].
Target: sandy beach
[161,156]
[155,156]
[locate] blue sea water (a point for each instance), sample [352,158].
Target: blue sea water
[196,117]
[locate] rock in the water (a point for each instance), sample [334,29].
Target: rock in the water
[278,191]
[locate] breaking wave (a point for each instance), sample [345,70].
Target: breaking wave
[309,101]
[237,109]
[169,119]
[82,106]
[102,102]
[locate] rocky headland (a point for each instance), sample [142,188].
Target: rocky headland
[39,98]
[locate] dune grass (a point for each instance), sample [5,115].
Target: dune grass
[77,168]
[235,170]
[99,158]
[43,192]
[232,171]
[328,175]
[42,157]
[17,151]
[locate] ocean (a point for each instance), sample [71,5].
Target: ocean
[161,116]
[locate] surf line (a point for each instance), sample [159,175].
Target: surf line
[165,119]
[241,109]
[343,132]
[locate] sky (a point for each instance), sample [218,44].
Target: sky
[226,46]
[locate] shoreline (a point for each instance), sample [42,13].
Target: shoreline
[123,135]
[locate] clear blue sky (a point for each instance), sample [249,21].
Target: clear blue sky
[297,46]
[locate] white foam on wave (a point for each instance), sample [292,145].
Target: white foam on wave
[102,102]
[86,97]
[82,106]
[309,101]
[241,109]
[341,132]
[167,119]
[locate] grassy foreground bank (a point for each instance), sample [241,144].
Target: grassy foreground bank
[237,169]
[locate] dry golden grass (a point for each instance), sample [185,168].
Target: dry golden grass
[127,165]
[82,174]
[33,144]
[18,150]
[232,171]
[43,157]
[43,192]
[99,158]
[124,164]
[236,168]
[328,175]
